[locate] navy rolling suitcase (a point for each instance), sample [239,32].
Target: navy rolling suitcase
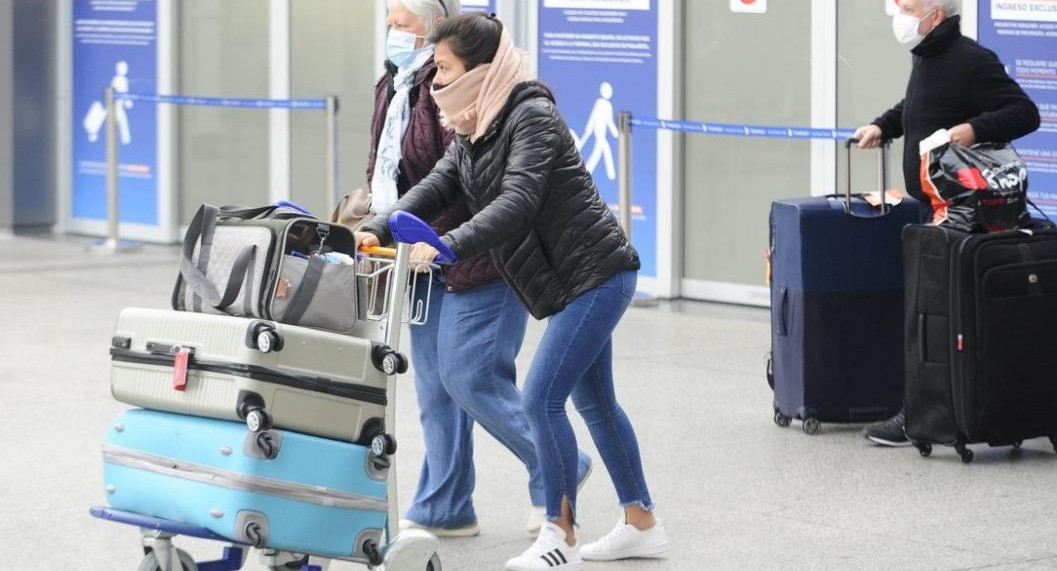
[836,307]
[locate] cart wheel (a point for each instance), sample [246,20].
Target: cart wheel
[258,419]
[811,426]
[1018,444]
[434,563]
[150,562]
[781,419]
[924,449]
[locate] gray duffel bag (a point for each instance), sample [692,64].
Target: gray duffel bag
[270,263]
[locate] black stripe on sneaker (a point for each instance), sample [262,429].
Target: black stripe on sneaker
[550,562]
[562,555]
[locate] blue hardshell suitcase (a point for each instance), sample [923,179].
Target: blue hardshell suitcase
[836,307]
[296,493]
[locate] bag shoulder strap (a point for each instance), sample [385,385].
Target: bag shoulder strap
[305,292]
[202,229]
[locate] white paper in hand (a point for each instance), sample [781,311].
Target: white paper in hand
[934,141]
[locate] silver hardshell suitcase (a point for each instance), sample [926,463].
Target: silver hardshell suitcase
[265,373]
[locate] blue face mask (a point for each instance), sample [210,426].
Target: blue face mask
[400,48]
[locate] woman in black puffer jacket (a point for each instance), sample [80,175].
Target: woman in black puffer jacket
[537,211]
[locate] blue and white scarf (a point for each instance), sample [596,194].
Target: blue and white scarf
[384,192]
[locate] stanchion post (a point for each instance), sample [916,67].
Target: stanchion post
[624,129]
[112,167]
[624,184]
[111,245]
[331,152]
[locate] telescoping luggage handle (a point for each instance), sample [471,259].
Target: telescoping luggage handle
[882,176]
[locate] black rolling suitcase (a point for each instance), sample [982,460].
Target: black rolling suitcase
[981,341]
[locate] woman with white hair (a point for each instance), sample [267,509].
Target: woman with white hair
[464,355]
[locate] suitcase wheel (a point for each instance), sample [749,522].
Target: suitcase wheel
[374,555]
[965,454]
[781,419]
[267,445]
[1018,444]
[150,561]
[924,449]
[254,533]
[388,361]
[258,420]
[264,337]
[811,426]
[394,363]
[383,445]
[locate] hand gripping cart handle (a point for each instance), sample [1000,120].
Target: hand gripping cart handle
[412,550]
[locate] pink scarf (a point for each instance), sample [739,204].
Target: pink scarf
[471,103]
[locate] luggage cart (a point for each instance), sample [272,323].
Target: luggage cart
[385,270]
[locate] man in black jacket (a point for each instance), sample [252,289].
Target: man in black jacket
[958,85]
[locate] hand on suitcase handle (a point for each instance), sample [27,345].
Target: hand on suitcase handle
[866,137]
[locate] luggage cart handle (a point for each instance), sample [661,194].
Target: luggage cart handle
[882,175]
[410,229]
[379,251]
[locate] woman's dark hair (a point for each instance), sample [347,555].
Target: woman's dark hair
[473,37]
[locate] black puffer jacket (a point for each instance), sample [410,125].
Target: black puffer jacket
[534,205]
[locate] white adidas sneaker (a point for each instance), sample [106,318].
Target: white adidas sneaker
[628,542]
[549,552]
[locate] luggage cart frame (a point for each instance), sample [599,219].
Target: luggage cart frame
[412,550]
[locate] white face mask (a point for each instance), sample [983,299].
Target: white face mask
[905,27]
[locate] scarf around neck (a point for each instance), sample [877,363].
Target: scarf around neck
[384,191]
[471,103]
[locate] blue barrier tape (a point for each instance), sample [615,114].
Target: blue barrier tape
[767,132]
[296,104]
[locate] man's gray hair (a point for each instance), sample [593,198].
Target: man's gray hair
[950,7]
[429,11]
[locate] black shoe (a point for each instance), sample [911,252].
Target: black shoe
[890,432]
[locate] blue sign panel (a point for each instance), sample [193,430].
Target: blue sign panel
[600,58]
[479,6]
[115,45]
[1024,35]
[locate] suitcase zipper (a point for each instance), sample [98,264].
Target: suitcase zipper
[138,460]
[362,393]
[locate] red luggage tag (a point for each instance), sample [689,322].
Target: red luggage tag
[179,369]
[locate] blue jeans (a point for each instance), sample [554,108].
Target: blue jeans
[464,371]
[575,357]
